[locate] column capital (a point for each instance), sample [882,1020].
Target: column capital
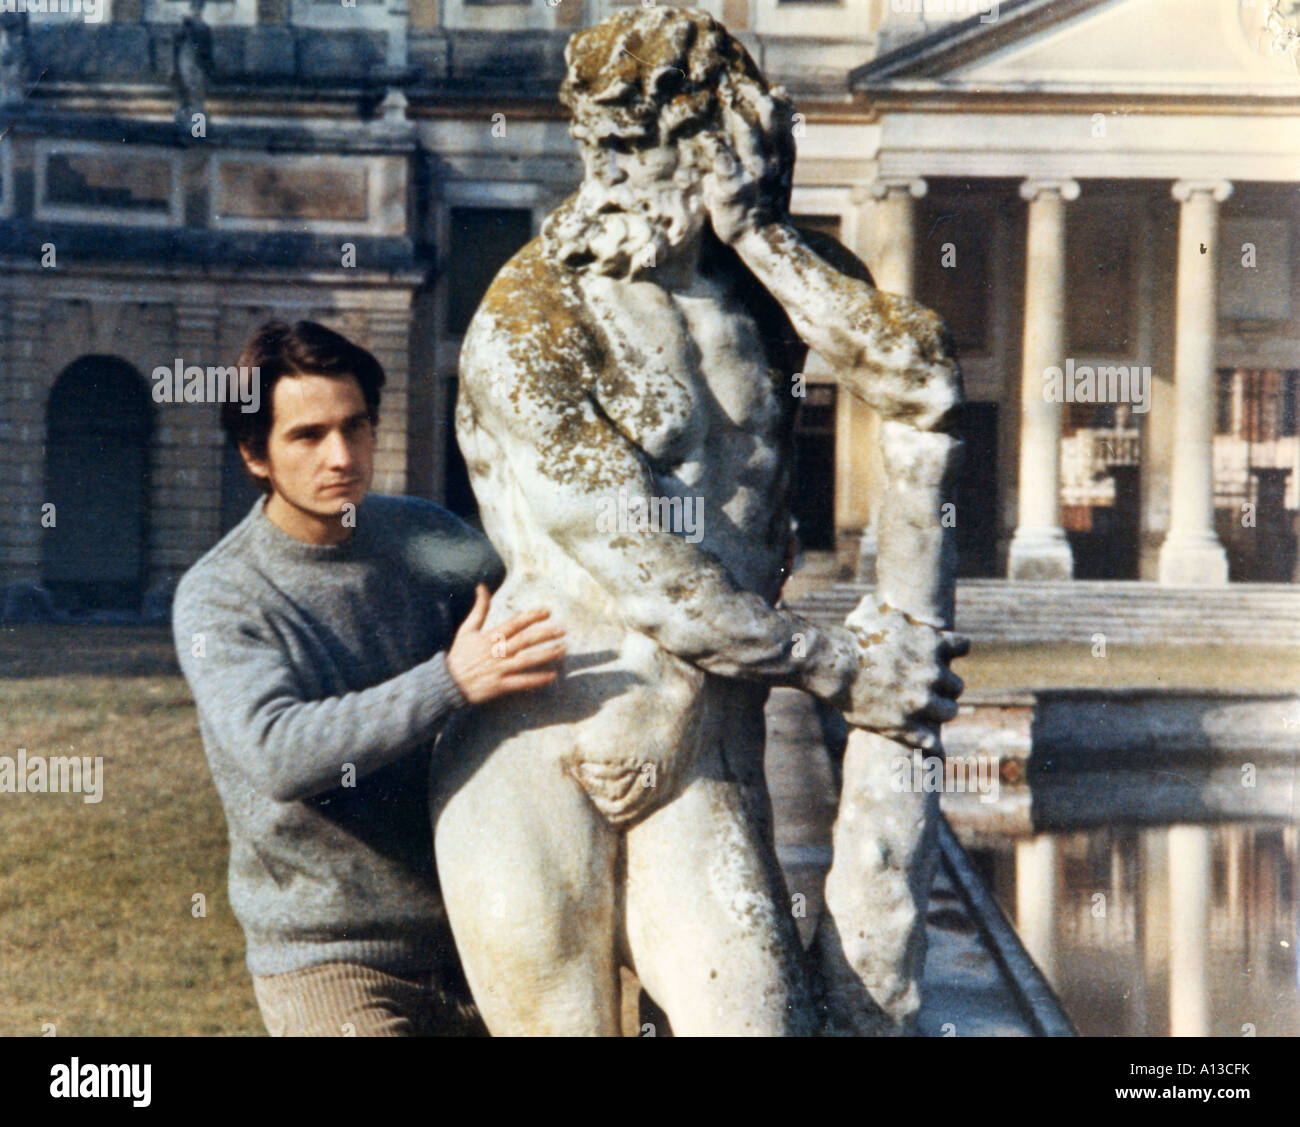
[1034,187]
[1184,189]
[882,186]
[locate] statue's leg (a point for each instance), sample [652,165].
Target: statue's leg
[709,924]
[527,869]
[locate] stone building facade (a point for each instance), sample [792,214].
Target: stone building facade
[1046,174]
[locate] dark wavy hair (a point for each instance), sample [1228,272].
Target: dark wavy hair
[306,348]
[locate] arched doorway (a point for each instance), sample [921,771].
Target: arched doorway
[98,424]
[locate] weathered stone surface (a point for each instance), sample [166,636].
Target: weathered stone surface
[626,414]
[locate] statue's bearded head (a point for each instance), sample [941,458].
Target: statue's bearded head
[648,88]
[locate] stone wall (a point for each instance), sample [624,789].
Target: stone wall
[48,323]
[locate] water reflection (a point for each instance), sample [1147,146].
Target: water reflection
[1182,930]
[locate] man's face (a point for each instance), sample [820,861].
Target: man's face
[320,452]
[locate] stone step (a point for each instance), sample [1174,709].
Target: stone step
[1181,606]
[1042,598]
[1090,607]
[1126,611]
[1116,589]
[1045,618]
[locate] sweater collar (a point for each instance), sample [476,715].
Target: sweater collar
[280,544]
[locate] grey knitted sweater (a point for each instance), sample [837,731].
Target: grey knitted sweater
[321,682]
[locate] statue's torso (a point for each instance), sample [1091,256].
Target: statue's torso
[688,379]
[691,384]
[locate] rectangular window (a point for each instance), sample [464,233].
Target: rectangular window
[482,240]
[1268,403]
[1290,391]
[812,498]
[1223,400]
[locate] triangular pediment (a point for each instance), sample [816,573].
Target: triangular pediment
[1161,46]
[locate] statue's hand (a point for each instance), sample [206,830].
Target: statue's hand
[729,188]
[903,688]
[734,167]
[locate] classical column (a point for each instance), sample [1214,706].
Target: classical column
[1037,900]
[893,261]
[1039,549]
[886,241]
[1233,868]
[1191,872]
[1192,554]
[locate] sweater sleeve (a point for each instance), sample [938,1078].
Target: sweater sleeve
[287,747]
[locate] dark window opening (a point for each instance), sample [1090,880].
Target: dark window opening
[952,270]
[813,492]
[482,240]
[458,495]
[976,492]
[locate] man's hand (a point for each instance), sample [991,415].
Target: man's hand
[505,659]
[903,688]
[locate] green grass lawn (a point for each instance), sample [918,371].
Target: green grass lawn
[97,933]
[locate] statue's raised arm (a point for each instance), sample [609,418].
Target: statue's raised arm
[896,356]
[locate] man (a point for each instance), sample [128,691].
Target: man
[640,356]
[319,639]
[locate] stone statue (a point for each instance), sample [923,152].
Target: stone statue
[626,405]
[192,63]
